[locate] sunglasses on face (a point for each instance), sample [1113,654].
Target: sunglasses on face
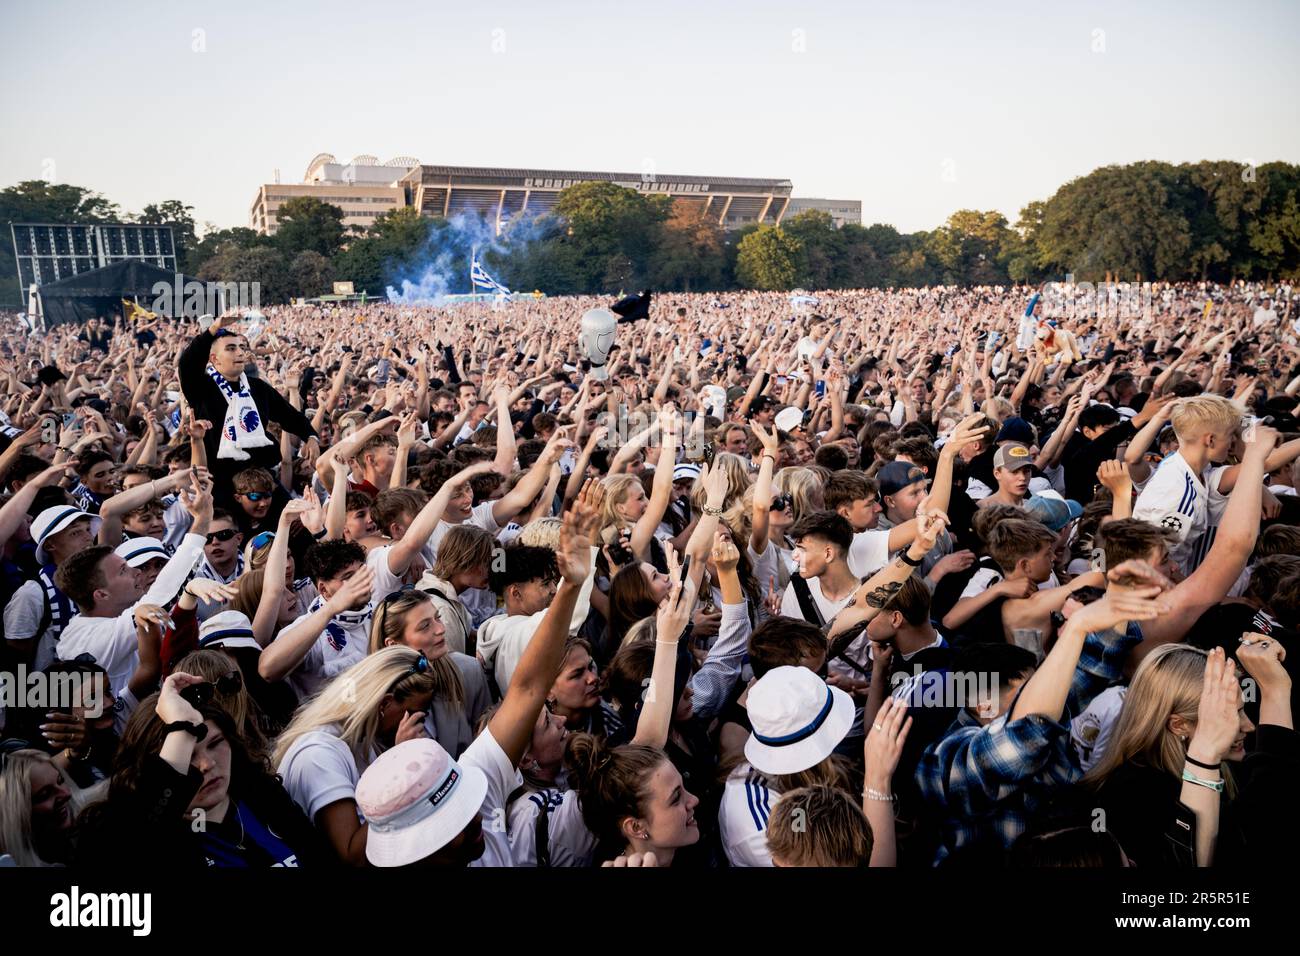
[223,535]
[782,502]
[257,495]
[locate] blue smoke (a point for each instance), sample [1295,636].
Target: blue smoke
[443,264]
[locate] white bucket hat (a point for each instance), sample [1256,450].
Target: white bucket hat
[140,551]
[53,520]
[798,719]
[227,629]
[416,799]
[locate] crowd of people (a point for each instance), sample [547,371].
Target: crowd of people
[933,577]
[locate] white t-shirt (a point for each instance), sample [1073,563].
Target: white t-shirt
[742,817]
[318,770]
[340,645]
[480,517]
[1091,731]
[828,608]
[569,841]
[386,582]
[502,779]
[1175,498]
[869,552]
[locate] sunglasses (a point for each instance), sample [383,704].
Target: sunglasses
[421,666]
[223,535]
[782,502]
[262,540]
[201,694]
[257,495]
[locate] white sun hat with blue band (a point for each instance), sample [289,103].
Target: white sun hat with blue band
[227,629]
[140,551]
[53,520]
[798,720]
[416,799]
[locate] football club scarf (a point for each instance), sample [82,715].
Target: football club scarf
[243,425]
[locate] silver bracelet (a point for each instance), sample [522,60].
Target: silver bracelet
[871,794]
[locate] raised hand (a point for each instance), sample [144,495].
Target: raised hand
[577,529]
[884,744]
[211,592]
[772,600]
[675,611]
[1113,474]
[355,592]
[725,554]
[1217,721]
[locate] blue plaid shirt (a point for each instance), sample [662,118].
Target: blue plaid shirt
[989,782]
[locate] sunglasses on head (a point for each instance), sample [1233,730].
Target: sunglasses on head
[257,495]
[201,694]
[421,665]
[225,534]
[262,540]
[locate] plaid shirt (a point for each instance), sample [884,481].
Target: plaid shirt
[989,782]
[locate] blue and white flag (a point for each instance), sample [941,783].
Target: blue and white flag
[478,276]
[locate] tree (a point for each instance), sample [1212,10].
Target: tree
[970,248]
[822,249]
[262,267]
[612,231]
[310,275]
[180,217]
[305,223]
[768,259]
[689,255]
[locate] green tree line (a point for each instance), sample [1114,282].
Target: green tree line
[1213,220]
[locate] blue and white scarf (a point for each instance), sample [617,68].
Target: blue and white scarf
[336,631]
[59,604]
[243,425]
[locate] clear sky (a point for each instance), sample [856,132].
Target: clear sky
[918,108]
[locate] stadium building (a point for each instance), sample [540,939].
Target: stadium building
[365,189]
[843,211]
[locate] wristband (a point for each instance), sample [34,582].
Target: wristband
[871,794]
[1215,785]
[908,560]
[712,512]
[1196,763]
[198,730]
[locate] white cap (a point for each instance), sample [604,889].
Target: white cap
[788,419]
[53,520]
[140,551]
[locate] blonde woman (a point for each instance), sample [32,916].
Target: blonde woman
[375,704]
[38,808]
[1164,780]
[626,506]
[412,618]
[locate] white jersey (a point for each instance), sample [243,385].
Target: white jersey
[742,817]
[1175,498]
[568,840]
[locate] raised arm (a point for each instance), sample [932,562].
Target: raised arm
[512,725]
[659,700]
[662,489]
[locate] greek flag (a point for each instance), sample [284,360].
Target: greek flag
[478,276]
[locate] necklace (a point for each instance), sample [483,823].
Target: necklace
[240,817]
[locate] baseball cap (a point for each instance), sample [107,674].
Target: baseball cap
[735,393]
[416,799]
[686,472]
[1013,456]
[1017,430]
[1053,510]
[798,719]
[140,551]
[897,475]
[228,629]
[53,520]
[788,419]
[761,402]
